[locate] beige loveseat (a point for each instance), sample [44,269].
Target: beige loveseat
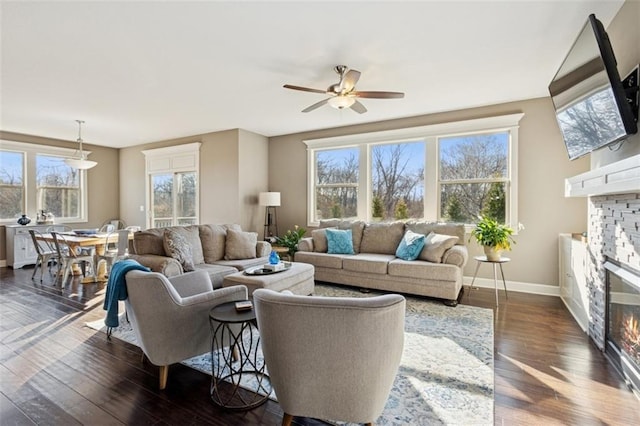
[437,272]
[219,250]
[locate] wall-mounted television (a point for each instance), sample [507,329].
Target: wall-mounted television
[588,95]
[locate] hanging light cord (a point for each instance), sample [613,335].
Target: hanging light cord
[80,122]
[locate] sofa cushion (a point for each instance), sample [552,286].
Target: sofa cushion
[435,245]
[366,262]
[240,245]
[356,226]
[339,241]
[410,246]
[424,270]
[381,238]
[150,241]
[213,239]
[321,260]
[453,229]
[177,246]
[216,273]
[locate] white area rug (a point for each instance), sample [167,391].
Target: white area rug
[446,373]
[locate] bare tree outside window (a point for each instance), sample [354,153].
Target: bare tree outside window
[166,187]
[398,180]
[58,187]
[473,177]
[337,183]
[11,184]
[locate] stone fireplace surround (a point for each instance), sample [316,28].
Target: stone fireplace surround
[613,229]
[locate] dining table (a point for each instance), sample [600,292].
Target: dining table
[98,240]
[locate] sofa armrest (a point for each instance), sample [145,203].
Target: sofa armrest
[263,248]
[167,266]
[456,255]
[305,244]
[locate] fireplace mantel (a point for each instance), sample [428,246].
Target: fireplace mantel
[621,177]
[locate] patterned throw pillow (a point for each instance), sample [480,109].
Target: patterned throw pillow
[339,241]
[410,246]
[435,245]
[177,246]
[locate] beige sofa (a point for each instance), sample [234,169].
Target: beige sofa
[219,250]
[436,273]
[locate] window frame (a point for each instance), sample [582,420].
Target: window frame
[430,135]
[171,160]
[30,151]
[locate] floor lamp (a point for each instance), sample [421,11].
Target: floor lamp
[270,200]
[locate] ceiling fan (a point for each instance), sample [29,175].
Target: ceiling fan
[343,94]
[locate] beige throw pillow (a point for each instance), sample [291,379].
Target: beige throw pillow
[177,246]
[435,245]
[240,245]
[320,240]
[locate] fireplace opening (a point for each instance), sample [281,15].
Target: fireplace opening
[623,321]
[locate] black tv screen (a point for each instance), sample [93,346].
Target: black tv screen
[588,96]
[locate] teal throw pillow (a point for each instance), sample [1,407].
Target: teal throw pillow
[410,246]
[339,241]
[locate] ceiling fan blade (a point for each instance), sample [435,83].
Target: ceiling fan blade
[358,107]
[316,105]
[304,89]
[349,80]
[379,95]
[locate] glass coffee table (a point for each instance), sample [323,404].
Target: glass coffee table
[238,380]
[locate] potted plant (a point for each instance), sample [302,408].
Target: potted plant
[290,240]
[493,236]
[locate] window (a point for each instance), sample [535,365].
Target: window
[473,177]
[397,181]
[173,199]
[172,185]
[58,187]
[12,171]
[450,172]
[336,183]
[35,177]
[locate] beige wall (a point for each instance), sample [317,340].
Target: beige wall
[542,163]
[624,33]
[233,170]
[103,202]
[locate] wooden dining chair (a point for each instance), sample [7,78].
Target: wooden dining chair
[68,257]
[46,253]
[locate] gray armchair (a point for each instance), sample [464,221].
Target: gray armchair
[331,358]
[170,316]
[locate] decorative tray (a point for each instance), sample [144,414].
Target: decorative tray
[259,270]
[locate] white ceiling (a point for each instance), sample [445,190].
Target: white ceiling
[140,72]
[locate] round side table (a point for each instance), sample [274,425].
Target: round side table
[496,264]
[234,359]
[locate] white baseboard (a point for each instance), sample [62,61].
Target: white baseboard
[532,288]
[3,263]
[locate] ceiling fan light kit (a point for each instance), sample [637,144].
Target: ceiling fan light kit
[340,102]
[80,162]
[343,94]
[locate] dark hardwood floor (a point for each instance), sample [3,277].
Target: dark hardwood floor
[56,371]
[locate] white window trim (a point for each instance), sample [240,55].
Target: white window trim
[172,159]
[31,150]
[429,134]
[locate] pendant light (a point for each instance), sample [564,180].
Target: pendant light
[80,162]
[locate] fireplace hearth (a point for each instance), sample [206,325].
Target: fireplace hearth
[623,321]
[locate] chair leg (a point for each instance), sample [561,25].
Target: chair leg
[164,373]
[287,419]
[67,269]
[35,268]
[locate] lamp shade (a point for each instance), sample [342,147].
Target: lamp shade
[269,199]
